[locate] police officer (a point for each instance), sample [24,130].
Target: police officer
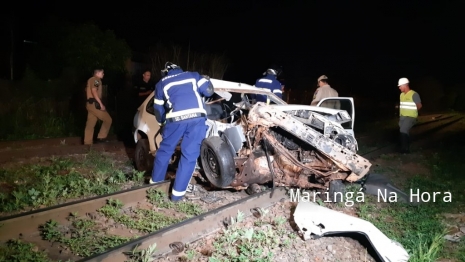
[324,90]
[96,110]
[180,110]
[144,88]
[271,82]
[410,103]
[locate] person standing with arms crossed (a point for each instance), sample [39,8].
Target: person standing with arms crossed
[96,110]
[180,111]
[410,103]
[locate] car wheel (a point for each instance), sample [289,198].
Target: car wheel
[337,191]
[217,162]
[142,158]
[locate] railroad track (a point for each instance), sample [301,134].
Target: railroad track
[420,137]
[29,226]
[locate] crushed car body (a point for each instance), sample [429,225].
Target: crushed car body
[253,144]
[314,220]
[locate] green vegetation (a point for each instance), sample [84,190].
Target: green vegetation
[61,179]
[160,200]
[143,220]
[86,237]
[239,243]
[421,229]
[18,251]
[144,255]
[83,238]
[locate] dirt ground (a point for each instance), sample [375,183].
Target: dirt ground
[291,247]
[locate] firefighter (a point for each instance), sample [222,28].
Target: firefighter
[410,104]
[270,82]
[180,111]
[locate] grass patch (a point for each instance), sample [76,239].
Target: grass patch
[18,251]
[86,237]
[61,179]
[421,229]
[143,220]
[254,243]
[83,237]
[34,118]
[160,200]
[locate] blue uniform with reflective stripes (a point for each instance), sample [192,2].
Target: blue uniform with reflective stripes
[178,103]
[270,82]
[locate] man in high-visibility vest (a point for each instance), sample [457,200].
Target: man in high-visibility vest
[410,103]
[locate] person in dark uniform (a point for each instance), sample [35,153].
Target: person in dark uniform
[270,82]
[180,111]
[144,87]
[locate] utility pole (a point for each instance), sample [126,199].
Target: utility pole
[188,53]
[12,64]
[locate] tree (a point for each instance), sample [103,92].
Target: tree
[213,65]
[87,47]
[82,47]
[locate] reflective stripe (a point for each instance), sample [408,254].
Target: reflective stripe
[159,102]
[199,108]
[408,103]
[185,112]
[178,193]
[407,106]
[181,82]
[265,80]
[277,91]
[201,82]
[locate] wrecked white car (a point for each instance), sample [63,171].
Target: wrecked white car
[253,144]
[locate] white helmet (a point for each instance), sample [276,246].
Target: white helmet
[403,81]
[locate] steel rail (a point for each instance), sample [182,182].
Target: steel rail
[192,229]
[28,223]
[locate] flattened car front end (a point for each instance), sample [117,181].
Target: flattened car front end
[277,146]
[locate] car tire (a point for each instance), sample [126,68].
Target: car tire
[336,186]
[217,162]
[142,158]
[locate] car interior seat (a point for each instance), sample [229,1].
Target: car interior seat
[214,111]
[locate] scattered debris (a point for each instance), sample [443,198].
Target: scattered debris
[313,219]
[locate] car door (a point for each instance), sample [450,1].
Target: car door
[342,103]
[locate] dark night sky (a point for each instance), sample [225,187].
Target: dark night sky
[362,42]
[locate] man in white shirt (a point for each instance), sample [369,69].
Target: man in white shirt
[324,90]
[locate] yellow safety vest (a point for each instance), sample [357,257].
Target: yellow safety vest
[407,106]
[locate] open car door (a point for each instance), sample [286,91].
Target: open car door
[342,103]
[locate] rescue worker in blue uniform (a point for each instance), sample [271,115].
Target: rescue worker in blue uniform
[180,111]
[271,82]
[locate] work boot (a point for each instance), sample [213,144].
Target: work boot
[101,140]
